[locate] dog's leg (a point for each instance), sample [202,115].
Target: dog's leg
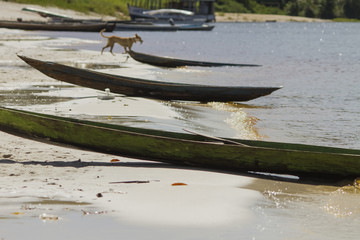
[106,46]
[111,48]
[125,50]
[103,49]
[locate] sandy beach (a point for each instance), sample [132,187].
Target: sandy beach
[42,183]
[247,17]
[50,191]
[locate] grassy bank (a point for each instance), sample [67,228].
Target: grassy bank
[345,20]
[116,8]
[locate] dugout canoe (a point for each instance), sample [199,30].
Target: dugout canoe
[145,88]
[183,148]
[58,26]
[195,27]
[144,27]
[162,27]
[174,62]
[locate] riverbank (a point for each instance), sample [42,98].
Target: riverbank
[12,11]
[247,17]
[56,192]
[44,185]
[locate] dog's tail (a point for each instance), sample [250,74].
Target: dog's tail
[101,33]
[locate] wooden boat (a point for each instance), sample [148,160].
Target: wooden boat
[162,27]
[144,27]
[195,27]
[176,10]
[174,62]
[58,26]
[185,149]
[46,14]
[146,88]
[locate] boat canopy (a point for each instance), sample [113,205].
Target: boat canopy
[169,11]
[196,6]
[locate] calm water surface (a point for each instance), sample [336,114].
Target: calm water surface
[316,63]
[318,66]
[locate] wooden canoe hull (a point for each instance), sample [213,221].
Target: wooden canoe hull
[163,28]
[196,27]
[144,27]
[174,62]
[185,149]
[146,88]
[58,26]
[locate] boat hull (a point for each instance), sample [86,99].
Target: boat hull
[144,27]
[58,26]
[185,149]
[174,62]
[162,27]
[146,88]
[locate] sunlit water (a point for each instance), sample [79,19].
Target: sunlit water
[316,63]
[318,66]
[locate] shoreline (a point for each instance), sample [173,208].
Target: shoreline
[12,11]
[36,173]
[42,182]
[247,17]
[52,191]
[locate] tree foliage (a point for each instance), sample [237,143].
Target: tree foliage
[245,6]
[352,9]
[327,8]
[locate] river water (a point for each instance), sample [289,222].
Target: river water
[318,66]
[316,63]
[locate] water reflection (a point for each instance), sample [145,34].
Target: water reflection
[221,119]
[94,66]
[30,95]
[304,211]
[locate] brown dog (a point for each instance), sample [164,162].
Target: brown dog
[125,42]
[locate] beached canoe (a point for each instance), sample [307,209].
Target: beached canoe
[174,62]
[185,149]
[146,88]
[58,26]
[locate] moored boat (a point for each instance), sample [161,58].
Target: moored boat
[195,27]
[58,26]
[162,27]
[185,149]
[147,88]
[175,62]
[144,27]
[175,10]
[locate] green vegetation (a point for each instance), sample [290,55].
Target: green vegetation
[346,20]
[245,6]
[327,9]
[103,7]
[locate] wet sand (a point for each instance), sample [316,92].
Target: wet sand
[57,184]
